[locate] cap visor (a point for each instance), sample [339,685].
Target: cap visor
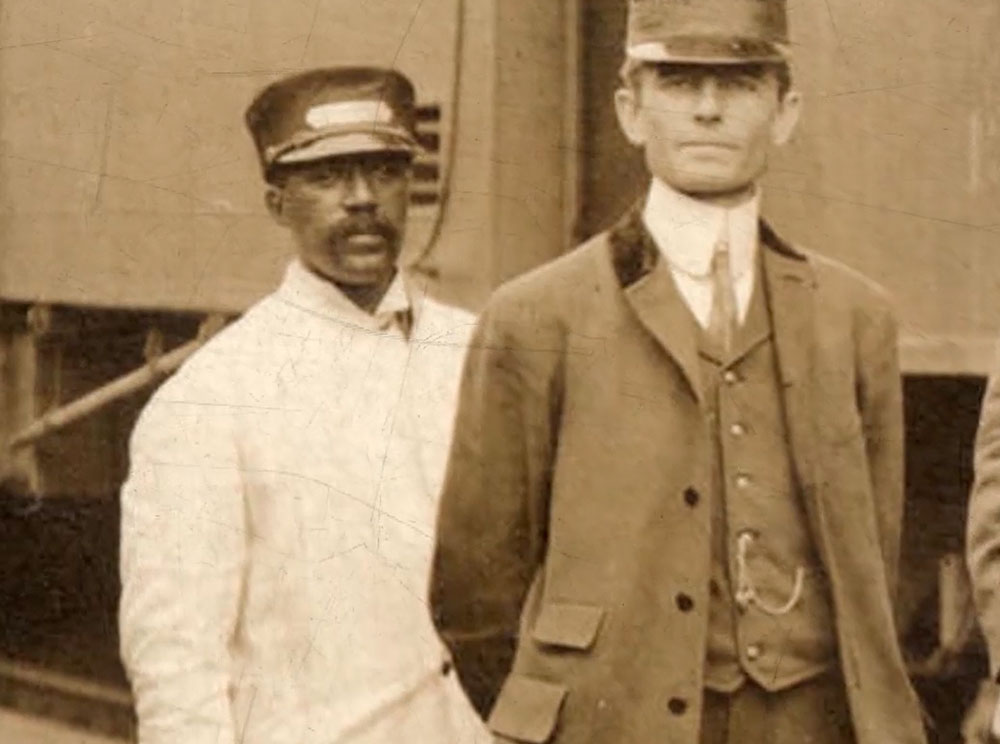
[350,143]
[708,51]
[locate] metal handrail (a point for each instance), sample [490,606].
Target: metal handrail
[157,368]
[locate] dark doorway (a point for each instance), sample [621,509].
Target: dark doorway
[612,175]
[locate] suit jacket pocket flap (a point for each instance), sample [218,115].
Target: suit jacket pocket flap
[527,709]
[568,625]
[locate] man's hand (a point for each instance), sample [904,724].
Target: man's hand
[982,720]
[994,734]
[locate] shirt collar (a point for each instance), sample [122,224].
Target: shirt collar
[396,298]
[308,291]
[686,230]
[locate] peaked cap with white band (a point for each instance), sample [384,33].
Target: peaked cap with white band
[707,31]
[334,111]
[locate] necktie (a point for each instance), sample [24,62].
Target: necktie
[722,321]
[401,319]
[404,320]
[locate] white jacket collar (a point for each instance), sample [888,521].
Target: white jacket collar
[308,291]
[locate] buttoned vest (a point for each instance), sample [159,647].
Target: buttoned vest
[770,613]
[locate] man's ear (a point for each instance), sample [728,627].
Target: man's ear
[629,110]
[274,198]
[789,113]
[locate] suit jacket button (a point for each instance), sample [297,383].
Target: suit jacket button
[677,706]
[691,497]
[684,603]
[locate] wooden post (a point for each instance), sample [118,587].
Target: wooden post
[19,345]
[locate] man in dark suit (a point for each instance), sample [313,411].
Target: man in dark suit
[674,497]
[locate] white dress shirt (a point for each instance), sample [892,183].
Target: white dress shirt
[687,230]
[277,529]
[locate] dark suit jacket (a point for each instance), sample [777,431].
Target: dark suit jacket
[573,516]
[983,535]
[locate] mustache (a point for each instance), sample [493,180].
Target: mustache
[363,226]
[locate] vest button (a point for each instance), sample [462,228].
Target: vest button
[737,430]
[742,480]
[691,497]
[754,652]
[684,603]
[677,706]
[730,377]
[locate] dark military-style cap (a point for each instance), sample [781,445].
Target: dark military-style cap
[335,111]
[707,31]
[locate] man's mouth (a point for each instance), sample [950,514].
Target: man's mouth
[364,238]
[709,144]
[366,241]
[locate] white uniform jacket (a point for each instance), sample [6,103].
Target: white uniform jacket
[277,529]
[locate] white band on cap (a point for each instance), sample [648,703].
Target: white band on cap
[649,51]
[658,51]
[348,112]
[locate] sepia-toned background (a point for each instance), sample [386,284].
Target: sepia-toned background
[131,208]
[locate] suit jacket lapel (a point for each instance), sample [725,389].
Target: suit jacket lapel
[791,284]
[650,290]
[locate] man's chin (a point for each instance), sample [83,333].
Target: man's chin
[711,178]
[364,264]
[714,185]
[370,270]
[358,270]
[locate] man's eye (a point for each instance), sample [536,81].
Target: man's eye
[678,82]
[740,82]
[330,174]
[388,171]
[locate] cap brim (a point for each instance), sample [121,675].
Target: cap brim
[707,50]
[352,143]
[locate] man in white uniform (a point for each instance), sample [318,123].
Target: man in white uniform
[278,516]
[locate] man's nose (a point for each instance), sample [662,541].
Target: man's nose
[359,191]
[708,106]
